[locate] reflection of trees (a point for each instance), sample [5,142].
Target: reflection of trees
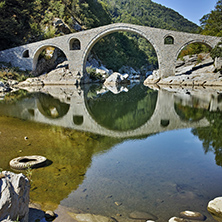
[125,111]
[13,97]
[211,135]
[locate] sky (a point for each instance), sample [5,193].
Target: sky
[192,10]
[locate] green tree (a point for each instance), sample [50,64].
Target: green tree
[15,17]
[211,23]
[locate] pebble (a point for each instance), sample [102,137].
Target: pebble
[109,196]
[25,138]
[118,203]
[139,215]
[50,215]
[177,219]
[192,215]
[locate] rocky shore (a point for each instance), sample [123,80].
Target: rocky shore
[190,72]
[15,206]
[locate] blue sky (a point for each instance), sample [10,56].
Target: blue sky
[192,10]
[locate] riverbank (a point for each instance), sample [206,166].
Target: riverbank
[190,74]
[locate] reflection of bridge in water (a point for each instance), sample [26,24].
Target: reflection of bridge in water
[77,115]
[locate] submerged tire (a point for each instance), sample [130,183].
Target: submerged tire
[24,162]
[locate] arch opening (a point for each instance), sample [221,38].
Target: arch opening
[48,58]
[78,120]
[124,51]
[193,55]
[164,122]
[25,54]
[169,40]
[74,44]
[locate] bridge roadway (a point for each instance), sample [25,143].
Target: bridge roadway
[164,117]
[76,47]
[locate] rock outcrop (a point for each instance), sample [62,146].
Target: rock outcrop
[116,78]
[190,73]
[61,27]
[218,63]
[14,199]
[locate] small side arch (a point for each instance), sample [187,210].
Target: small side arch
[208,44]
[169,40]
[74,44]
[78,120]
[25,54]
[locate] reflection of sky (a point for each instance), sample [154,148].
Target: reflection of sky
[139,172]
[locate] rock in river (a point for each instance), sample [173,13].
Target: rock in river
[215,207]
[192,215]
[139,215]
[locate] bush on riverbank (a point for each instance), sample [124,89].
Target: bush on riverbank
[7,72]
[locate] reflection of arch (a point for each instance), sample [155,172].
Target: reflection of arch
[113,30]
[190,42]
[164,122]
[78,120]
[168,40]
[74,44]
[187,113]
[39,50]
[50,107]
[25,54]
[129,112]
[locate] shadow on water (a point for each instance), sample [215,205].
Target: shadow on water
[69,126]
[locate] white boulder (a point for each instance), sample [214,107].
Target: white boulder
[116,78]
[14,199]
[215,207]
[218,63]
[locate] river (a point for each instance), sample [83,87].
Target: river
[117,155]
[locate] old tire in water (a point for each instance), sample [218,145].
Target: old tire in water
[24,162]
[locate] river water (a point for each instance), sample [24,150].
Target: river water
[114,153]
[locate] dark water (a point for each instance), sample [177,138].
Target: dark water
[112,154]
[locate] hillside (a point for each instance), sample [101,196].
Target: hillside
[148,13]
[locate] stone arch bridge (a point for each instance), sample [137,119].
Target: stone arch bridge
[76,46]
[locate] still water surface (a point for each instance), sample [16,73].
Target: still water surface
[112,154]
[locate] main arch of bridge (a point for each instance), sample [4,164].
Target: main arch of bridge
[76,46]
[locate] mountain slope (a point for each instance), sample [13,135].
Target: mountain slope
[148,13]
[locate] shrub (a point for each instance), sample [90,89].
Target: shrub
[216,51]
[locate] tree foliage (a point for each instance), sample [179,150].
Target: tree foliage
[15,17]
[148,13]
[216,51]
[211,24]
